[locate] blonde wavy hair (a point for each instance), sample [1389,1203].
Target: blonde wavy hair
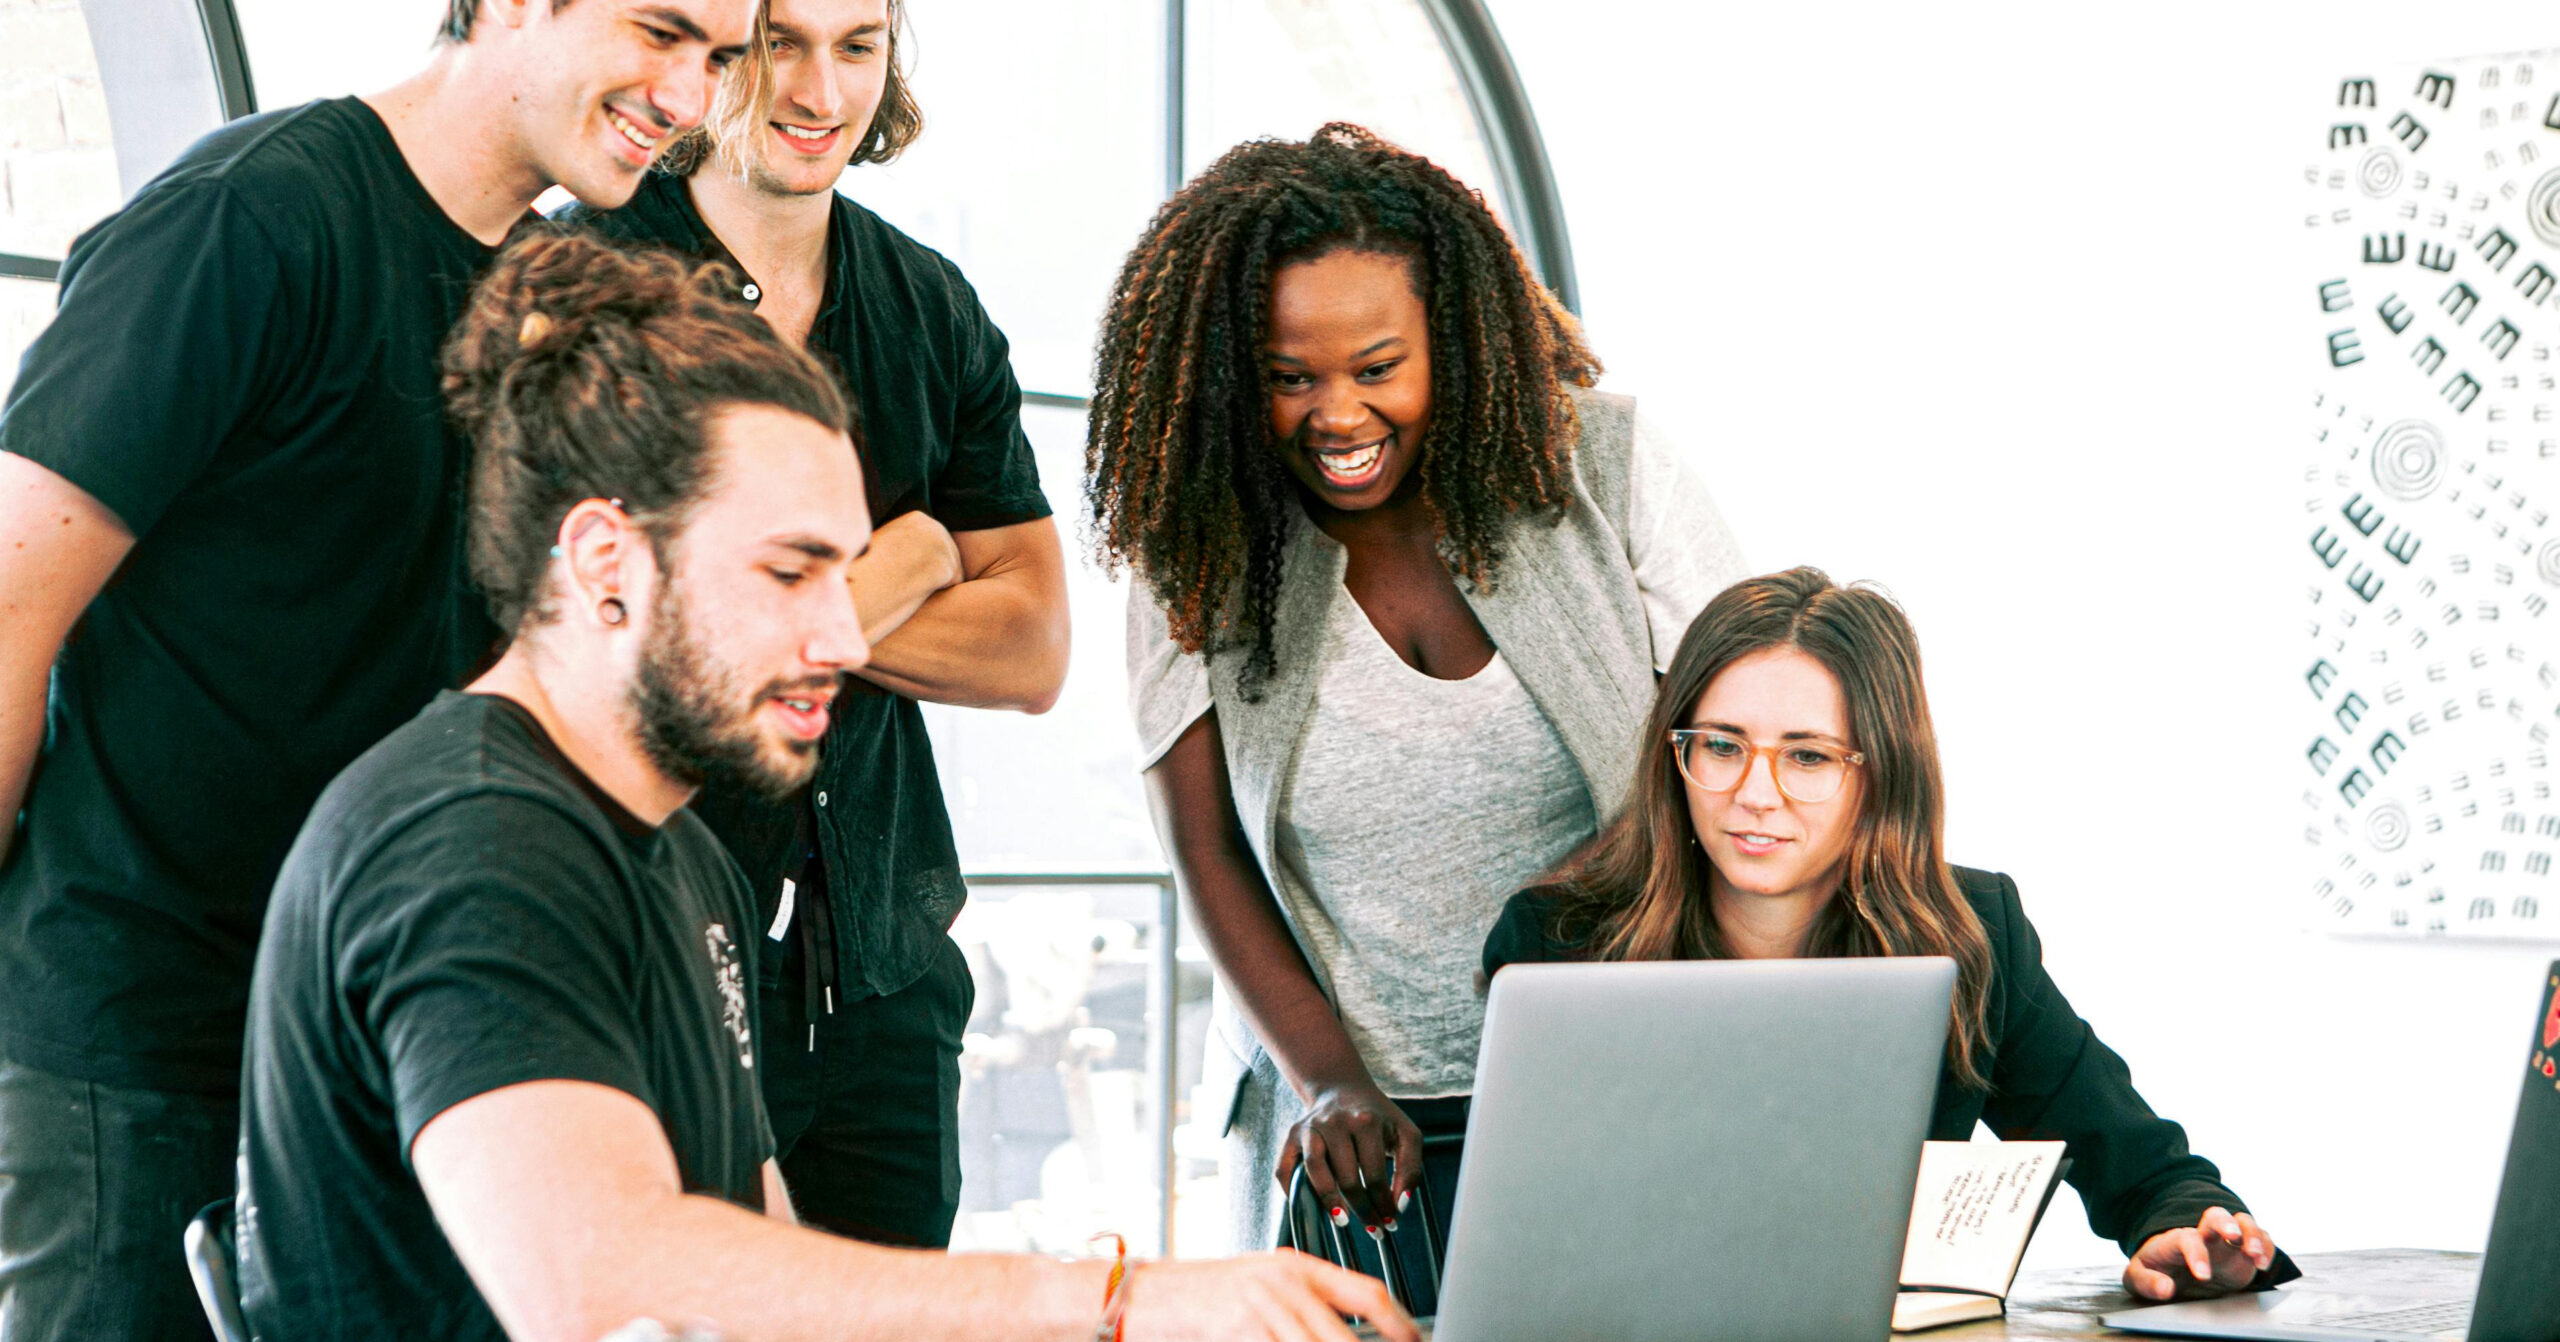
[746,93]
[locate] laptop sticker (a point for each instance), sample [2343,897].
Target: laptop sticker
[2551,1021]
[2545,1059]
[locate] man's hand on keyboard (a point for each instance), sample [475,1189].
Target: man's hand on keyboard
[1280,1296]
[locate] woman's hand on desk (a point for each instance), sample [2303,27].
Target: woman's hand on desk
[1279,1296]
[2217,1255]
[1345,1142]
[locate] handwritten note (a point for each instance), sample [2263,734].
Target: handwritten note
[1975,1208]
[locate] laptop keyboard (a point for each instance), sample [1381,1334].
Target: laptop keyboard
[2440,1316]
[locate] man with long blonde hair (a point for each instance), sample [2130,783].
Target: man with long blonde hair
[963,595]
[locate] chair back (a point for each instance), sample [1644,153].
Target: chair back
[1412,1252]
[212,1257]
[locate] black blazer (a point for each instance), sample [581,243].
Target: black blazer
[2051,1078]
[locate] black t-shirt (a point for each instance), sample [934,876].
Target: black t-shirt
[941,429]
[466,911]
[243,368]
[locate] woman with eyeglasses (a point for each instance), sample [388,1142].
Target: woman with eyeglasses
[1787,804]
[1403,583]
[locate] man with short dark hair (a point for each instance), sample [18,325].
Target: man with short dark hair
[234,415]
[963,596]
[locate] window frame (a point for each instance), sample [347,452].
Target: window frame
[171,70]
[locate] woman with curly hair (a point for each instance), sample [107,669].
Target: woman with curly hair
[1403,584]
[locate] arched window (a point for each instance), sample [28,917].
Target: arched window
[1052,132]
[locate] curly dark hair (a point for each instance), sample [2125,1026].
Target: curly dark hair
[1182,475]
[580,370]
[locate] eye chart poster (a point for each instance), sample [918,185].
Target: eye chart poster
[2429,683]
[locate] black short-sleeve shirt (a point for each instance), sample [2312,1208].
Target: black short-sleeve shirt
[941,430]
[243,368]
[465,911]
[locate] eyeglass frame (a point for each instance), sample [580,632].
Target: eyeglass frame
[1853,758]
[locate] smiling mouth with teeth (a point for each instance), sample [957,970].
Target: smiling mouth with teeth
[1350,465]
[801,133]
[631,130]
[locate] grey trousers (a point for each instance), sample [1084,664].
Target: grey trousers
[97,1184]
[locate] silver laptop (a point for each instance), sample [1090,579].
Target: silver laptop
[1693,1150]
[2518,1295]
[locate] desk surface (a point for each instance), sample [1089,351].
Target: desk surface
[2064,1304]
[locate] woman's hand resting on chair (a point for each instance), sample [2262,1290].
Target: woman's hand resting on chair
[1346,1142]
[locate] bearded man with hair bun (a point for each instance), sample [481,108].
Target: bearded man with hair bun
[502,1071]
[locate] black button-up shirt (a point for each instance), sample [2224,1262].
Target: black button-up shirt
[940,429]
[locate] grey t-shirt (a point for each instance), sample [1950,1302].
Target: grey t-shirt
[1678,547]
[1414,807]
[1681,554]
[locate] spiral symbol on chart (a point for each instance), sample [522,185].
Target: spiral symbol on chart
[2380,175]
[2542,208]
[2547,563]
[2386,827]
[2408,459]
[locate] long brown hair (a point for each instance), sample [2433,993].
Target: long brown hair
[1639,890]
[1181,473]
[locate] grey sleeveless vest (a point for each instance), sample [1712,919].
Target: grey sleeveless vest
[1566,613]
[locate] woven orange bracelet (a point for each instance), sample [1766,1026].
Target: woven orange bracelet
[1115,1289]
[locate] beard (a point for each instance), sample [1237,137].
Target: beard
[698,726]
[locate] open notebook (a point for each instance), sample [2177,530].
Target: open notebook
[1975,1209]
